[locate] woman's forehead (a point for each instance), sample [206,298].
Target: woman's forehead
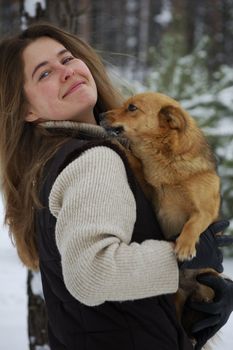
[41,50]
[43,47]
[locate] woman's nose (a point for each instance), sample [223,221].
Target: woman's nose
[66,73]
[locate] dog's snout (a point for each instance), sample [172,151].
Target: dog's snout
[101,116]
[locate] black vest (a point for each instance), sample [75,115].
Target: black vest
[146,324]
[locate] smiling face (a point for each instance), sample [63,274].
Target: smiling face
[58,86]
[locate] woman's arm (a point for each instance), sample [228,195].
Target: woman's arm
[96,212]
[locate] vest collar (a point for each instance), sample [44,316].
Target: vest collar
[90,130]
[83,128]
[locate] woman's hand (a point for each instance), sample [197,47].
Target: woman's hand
[209,253]
[217,312]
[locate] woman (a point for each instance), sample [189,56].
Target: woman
[75,209]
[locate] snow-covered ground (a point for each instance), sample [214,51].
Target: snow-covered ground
[13,302]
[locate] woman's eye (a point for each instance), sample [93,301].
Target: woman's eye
[44,75]
[67,59]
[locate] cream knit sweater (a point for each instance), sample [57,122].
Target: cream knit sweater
[96,212]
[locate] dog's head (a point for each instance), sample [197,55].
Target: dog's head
[145,114]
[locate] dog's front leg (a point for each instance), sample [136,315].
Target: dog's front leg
[185,247]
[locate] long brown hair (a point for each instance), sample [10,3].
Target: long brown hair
[26,147]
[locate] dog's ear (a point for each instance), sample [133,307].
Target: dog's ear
[172,117]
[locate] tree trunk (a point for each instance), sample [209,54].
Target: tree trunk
[37,317]
[9,17]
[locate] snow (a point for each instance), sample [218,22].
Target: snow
[13,301]
[226,96]
[30,6]
[13,305]
[36,285]
[165,17]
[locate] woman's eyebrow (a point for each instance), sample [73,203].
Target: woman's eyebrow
[41,64]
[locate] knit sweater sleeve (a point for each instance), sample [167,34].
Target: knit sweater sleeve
[96,212]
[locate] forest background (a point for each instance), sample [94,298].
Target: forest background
[183,48]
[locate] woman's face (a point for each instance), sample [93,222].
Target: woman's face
[58,86]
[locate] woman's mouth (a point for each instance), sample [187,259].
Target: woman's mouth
[74,87]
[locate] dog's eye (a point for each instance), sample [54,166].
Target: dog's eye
[131,107]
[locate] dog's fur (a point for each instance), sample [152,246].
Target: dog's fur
[174,158]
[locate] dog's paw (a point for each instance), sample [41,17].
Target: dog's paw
[184,250]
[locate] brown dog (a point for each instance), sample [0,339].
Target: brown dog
[176,161]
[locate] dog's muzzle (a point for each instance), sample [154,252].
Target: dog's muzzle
[101,117]
[111,130]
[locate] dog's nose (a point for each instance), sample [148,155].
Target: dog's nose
[101,116]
